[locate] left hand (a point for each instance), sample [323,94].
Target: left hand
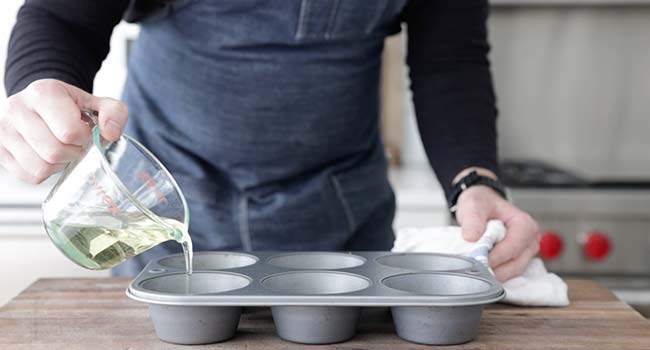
[510,257]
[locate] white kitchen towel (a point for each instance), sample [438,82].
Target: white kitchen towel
[535,287]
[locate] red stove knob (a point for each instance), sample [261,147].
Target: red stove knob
[596,245]
[550,245]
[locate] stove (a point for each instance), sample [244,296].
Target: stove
[592,228]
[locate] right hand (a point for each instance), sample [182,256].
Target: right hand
[41,129]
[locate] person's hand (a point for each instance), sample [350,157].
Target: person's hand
[41,129]
[509,258]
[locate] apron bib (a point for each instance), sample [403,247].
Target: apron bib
[266,112]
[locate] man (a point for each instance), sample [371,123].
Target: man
[266,114]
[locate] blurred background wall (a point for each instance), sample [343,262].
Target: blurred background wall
[573,87]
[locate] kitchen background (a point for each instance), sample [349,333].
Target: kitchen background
[573,84]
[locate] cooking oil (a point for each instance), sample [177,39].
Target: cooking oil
[105,241]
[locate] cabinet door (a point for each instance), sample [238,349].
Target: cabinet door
[421,217]
[27,254]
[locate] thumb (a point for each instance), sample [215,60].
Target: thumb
[472,226]
[112,113]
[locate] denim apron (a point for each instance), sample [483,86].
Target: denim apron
[266,113]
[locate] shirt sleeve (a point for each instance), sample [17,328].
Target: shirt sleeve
[60,39]
[452,84]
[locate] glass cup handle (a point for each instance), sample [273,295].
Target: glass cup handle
[89,117]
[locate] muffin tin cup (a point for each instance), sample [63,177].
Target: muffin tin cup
[316,297]
[190,325]
[316,261]
[181,324]
[425,262]
[316,324]
[315,283]
[206,261]
[437,325]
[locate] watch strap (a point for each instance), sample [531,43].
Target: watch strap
[469,180]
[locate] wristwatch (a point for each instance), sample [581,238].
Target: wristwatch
[468,181]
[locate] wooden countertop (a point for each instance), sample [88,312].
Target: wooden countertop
[95,314]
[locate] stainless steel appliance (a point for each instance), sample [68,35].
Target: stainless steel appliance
[590,228]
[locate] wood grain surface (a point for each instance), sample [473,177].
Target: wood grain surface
[95,314]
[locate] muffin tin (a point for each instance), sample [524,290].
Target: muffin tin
[316,297]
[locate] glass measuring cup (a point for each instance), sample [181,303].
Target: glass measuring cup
[115,201]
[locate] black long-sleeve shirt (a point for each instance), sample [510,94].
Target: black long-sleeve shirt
[447,56]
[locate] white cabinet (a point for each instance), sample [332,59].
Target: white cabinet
[420,199]
[27,257]
[26,252]
[420,217]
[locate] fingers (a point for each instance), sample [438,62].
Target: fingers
[472,226]
[516,266]
[37,135]
[9,163]
[475,206]
[478,204]
[112,117]
[112,113]
[521,230]
[34,169]
[60,104]
[41,129]
[51,101]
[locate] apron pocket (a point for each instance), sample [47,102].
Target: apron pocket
[362,190]
[303,215]
[345,19]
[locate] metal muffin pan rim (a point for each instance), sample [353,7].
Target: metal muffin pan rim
[210,272]
[137,289]
[375,295]
[415,273]
[362,259]
[370,258]
[164,265]
[471,262]
[316,300]
[330,272]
